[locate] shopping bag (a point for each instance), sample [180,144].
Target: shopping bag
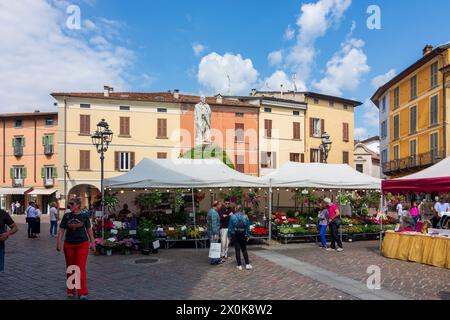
[214,251]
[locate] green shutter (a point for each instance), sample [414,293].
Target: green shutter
[50,140]
[14,142]
[24,173]
[23,142]
[43,172]
[43,140]
[11,173]
[55,172]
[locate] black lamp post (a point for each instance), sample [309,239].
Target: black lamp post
[325,147]
[101,139]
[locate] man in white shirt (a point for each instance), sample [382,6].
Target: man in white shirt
[441,207]
[399,209]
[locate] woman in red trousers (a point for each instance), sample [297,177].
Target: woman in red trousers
[77,229]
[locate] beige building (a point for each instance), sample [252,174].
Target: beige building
[144,125]
[367,157]
[325,113]
[282,132]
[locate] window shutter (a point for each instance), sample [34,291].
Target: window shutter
[311,127]
[11,173]
[116,161]
[43,172]
[14,142]
[82,126]
[311,155]
[128,126]
[322,125]
[164,127]
[87,160]
[50,140]
[54,172]
[296,130]
[132,160]
[43,140]
[23,142]
[24,173]
[268,128]
[302,158]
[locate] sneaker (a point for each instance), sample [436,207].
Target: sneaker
[249,267]
[83,297]
[239,268]
[339,249]
[330,249]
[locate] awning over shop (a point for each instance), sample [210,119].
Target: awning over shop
[13,191]
[321,175]
[43,192]
[182,173]
[435,178]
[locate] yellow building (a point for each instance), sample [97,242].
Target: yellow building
[282,133]
[144,125]
[414,109]
[324,113]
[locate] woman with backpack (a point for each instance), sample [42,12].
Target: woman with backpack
[238,232]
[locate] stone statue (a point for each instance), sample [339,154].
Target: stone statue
[202,119]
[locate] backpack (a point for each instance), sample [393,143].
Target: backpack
[240,226]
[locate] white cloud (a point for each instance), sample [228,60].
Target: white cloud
[278,78]
[214,70]
[345,69]
[382,79]
[198,48]
[314,21]
[360,133]
[89,24]
[99,41]
[275,58]
[289,34]
[41,56]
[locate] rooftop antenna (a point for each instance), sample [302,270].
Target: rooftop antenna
[229,84]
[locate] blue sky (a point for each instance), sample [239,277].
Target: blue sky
[148,46]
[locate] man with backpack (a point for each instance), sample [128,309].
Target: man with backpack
[239,231]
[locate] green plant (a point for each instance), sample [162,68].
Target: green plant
[111,202]
[208,152]
[148,201]
[179,201]
[145,233]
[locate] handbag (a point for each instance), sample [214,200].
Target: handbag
[214,251]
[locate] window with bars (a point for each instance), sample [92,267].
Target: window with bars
[124,126]
[85,124]
[162,129]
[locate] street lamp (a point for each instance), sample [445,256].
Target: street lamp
[325,147]
[101,139]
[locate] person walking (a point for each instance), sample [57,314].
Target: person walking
[37,223]
[323,224]
[334,223]
[13,208]
[5,222]
[76,227]
[53,220]
[399,209]
[213,226]
[31,219]
[239,232]
[225,212]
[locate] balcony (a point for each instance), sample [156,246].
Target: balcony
[49,149]
[412,164]
[49,182]
[17,183]
[18,151]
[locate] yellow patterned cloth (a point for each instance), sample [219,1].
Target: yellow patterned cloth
[431,250]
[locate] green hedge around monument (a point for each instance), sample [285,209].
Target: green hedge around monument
[208,152]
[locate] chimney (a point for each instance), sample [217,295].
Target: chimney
[176,94]
[428,48]
[106,91]
[253,92]
[219,99]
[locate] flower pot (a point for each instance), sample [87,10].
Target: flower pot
[146,252]
[109,252]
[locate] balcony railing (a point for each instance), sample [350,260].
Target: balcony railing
[17,183]
[49,149]
[18,151]
[49,182]
[412,163]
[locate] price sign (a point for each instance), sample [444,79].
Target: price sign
[156,244]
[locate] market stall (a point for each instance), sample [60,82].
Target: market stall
[318,176]
[185,176]
[430,247]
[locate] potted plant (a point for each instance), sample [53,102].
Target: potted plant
[109,246]
[146,236]
[148,201]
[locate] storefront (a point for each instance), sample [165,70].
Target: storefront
[43,197]
[18,196]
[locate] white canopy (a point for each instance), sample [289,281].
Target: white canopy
[439,170]
[182,173]
[320,175]
[13,191]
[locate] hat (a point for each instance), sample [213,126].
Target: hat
[327,200]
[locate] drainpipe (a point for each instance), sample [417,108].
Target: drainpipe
[445,110]
[35,149]
[4,151]
[65,153]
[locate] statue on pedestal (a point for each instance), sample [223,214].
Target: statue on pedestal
[202,119]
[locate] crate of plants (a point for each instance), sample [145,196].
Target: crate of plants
[258,231]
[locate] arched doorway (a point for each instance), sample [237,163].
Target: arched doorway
[89,194]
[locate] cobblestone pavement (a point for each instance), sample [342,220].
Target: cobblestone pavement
[34,270]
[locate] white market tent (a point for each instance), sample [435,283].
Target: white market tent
[182,173]
[320,175]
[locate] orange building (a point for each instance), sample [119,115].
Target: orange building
[28,159]
[234,129]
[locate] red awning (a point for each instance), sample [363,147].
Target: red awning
[428,185]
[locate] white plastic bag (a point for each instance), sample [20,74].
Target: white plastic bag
[214,251]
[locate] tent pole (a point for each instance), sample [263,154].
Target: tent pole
[193,207]
[340,211]
[270,213]
[381,217]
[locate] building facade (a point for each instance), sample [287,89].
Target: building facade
[367,157]
[414,124]
[29,159]
[325,113]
